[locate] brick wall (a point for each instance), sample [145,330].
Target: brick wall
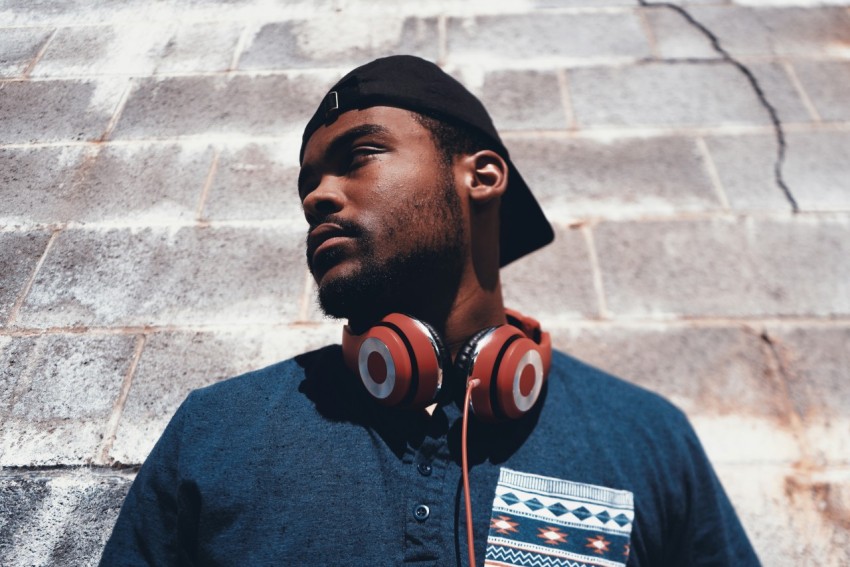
[695,160]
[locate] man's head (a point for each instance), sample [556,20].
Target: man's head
[393,162]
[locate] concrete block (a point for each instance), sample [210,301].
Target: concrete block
[706,371]
[58,518]
[729,268]
[615,178]
[256,181]
[115,183]
[174,363]
[218,105]
[340,41]
[63,398]
[18,47]
[204,47]
[165,276]
[50,111]
[19,254]
[780,92]
[675,37]
[815,360]
[545,36]
[523,100]
[827,84]
[664,94]
[745,167]
[33,178]
[817,169]
[777,31]
[555,283]
[15,355]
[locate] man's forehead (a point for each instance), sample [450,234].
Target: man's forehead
[389,121]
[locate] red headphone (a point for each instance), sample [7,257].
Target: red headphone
[401,361]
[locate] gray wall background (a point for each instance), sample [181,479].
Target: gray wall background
[694,158]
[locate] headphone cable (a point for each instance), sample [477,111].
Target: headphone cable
[472,383]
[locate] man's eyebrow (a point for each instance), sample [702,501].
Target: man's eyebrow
[341,141]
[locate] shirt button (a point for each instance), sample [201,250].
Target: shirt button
[421,512]
[424,469]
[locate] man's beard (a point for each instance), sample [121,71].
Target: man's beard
[408,280]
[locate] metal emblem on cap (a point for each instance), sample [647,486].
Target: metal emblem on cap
[331,103]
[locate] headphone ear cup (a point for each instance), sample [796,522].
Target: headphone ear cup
[464,356]
[398,361]
[510,368]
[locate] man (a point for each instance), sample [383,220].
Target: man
[354,455]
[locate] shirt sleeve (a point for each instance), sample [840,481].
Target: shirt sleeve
[155,524]
[711,533]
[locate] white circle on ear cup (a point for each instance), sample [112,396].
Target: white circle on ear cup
[530,358]
[378,389]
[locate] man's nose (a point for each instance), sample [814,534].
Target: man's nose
[326,199]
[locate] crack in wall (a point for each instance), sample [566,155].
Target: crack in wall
[728,58]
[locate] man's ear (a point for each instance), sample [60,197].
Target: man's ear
[486,175]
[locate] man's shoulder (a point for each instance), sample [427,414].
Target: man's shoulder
[588,387]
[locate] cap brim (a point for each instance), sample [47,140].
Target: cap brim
[524,227]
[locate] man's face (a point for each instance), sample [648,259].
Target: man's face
[385,217]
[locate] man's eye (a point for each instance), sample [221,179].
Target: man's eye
[361,154]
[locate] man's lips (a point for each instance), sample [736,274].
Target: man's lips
[323,237]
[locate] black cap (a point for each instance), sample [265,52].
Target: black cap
[405,81]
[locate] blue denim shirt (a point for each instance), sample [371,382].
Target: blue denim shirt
[294,464]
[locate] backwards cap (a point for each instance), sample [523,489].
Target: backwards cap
[411,83]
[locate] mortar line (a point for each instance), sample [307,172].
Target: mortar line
[442,39]
[798,86]
[102,455]
[239,48]
[116,114]
[208,181]
[596,273]
[566,99]
[614,322]
[13,313]
[35,60]
[774,116]
[713,174]
[650,35]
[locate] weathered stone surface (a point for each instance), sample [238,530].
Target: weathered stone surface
[19,254]
[555,283]
[815,362]
[827,84]
[523,100]
[817,169]
[204,47]
[725,268]
[174,363]
[555,35]
[663,94]
[18,47]
[745,166]
[745,31]
[615,178]
[780,92]
[339,41]
[58,518]
[66,110]
[219,105]
[256,181]
[137,183]
[676,38]
[713,371]
[63,397]
[166,276]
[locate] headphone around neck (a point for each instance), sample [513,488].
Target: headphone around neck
[401,361]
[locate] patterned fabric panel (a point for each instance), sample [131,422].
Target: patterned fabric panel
[540,521]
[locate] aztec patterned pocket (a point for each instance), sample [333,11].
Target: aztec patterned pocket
[540,521]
